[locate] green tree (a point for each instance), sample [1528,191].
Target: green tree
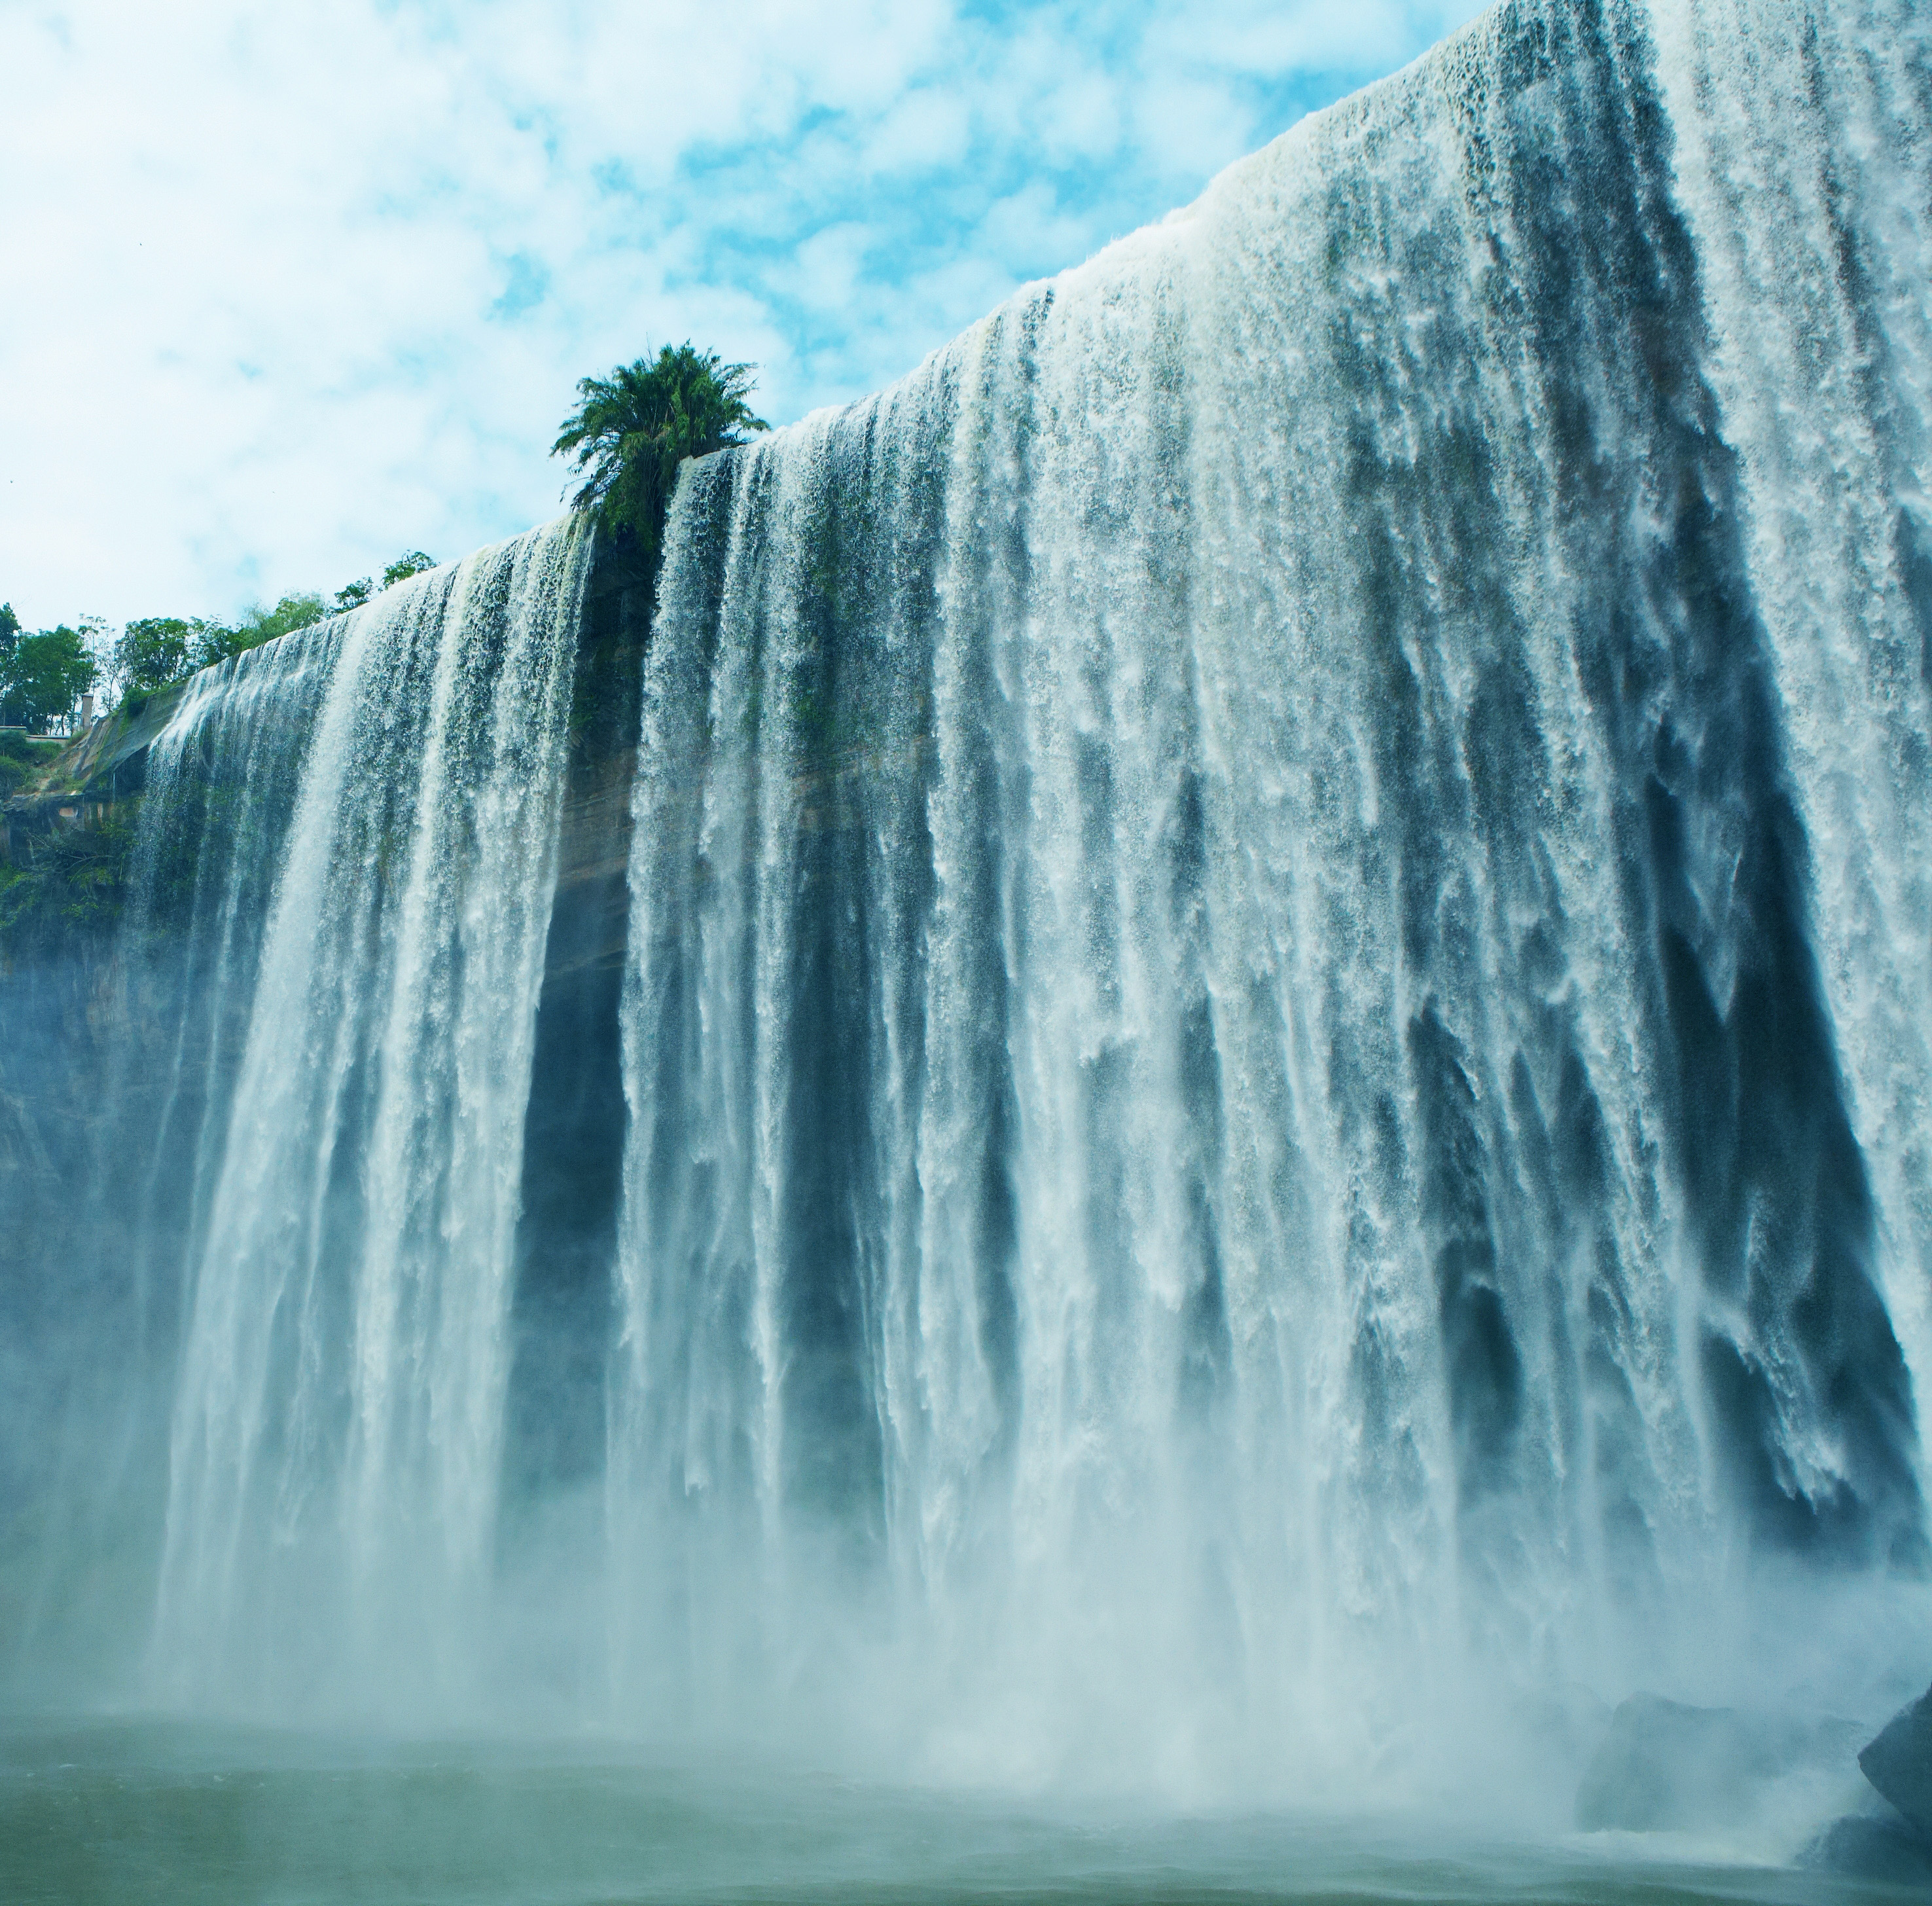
[152,652]
[411,563]
[259,625]
[209,642]
[364,589]
[216,641]
[10,631]
[631,429]
[43,676]
[300,610]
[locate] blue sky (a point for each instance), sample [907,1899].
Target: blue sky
[293,288]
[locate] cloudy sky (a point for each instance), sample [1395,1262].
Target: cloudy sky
[292,286]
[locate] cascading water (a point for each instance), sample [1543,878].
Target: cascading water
[1274,1031]
[337,1426]
[1229,1080]
[1803,178]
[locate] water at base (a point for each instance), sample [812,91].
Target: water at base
[115,1812]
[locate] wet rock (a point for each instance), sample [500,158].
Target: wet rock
[1899,1762]
[1872,1847]
[1665,1766]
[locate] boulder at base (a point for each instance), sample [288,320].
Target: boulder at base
[1899,1762]
[1869,1846]
[1665,1766]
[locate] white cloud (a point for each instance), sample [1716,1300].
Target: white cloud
[930,125]
[825,269]
[290,289]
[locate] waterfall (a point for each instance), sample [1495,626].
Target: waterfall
[338,1419]
[1275,995]
[1808,195]
[1276,1036]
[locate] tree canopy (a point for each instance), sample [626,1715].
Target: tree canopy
[631,429]
[626,439]
[411,563]
[155,652]
[43,675]
[259,625]
[364,589]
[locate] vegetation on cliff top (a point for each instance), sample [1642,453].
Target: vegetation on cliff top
[22,758]
[631,430]
[155,652]
[42,675]
[626,439]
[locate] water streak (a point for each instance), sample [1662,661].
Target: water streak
[339,1406]
[1230,1087]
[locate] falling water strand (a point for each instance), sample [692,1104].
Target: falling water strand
[339,1405]
[1235,1126]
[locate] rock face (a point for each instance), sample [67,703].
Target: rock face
[1664,1765]
[82,784]
[574,1124]
[1895,1848]
[1869,1846]
[1899,1762]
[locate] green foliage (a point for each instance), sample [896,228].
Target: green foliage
[364,589]
[22,758]
[43,675]
[631,429]
[411,563]
[260,625]
[71,887]
[153,652]
[204,643]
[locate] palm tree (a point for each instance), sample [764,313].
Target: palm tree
[632,429]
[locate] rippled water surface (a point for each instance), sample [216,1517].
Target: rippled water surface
[127,1812]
